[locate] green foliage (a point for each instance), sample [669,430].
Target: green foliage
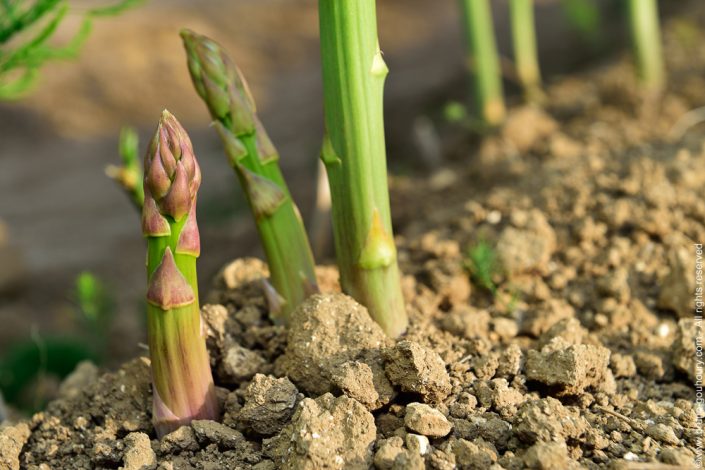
[28,362]
[129,174]
[31,361]
[93,302]
[455,112]
[26,30]
[483,266]
[584,16]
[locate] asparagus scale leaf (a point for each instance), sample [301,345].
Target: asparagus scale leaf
[355,158]
[256,162]
[182,381]
[483,61]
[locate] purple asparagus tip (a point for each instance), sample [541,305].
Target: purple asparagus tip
[171,175]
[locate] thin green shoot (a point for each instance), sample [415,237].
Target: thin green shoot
[483,265]
[483,61]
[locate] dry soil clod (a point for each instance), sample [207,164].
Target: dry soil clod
[418,369]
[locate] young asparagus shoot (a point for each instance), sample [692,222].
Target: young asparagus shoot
[355,157]
[525,52]
[256,162]
[483,61]
[646,43]
[129,175]
[181,375]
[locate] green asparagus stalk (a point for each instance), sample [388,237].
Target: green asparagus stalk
[129,175]
[525,54]
[182,381]
[355,158]
[256,162]
[484,61]
[646,42]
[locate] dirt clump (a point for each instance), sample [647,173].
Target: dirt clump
[239,364]
[356,380]
[542,317]
[527,126]
[548,456]
[269,404]
[418,443]
[387,452]
[572,367]
[212,432]
[426,420]
[473,455]
[83,376]
[12,438]
[527,247]
[683,353]
[329,330]
[138,452]
[419,370]
[182,439]
[327,432]
[547,420]
[678,285]
[569,330]
[622,365]
[467,322]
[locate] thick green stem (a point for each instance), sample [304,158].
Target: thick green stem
[181,376]
[525,52]
[483,61]
[355,158]
[646,42]
[256,163]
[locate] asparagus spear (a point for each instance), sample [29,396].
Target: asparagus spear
[524,40]
[256,162]
[182,381]
[646,42]
[355,158]
[129,175]
[483,58]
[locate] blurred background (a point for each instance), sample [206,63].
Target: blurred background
[60,216]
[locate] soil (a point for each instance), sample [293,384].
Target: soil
[580,355]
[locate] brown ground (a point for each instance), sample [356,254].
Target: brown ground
[584,357]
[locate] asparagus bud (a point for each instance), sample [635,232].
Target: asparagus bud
[181,376]
[255,160]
